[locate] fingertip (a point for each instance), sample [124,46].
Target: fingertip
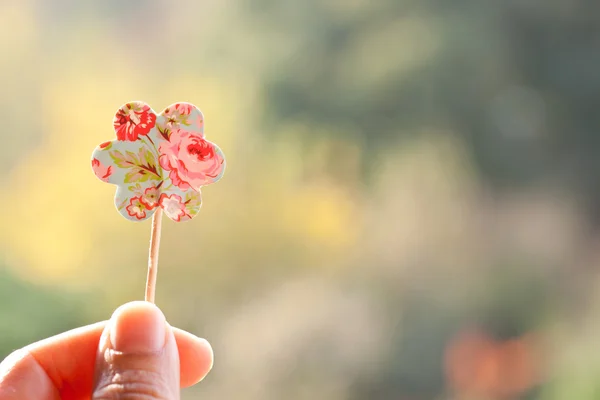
[138,327]
[196,357]
[204,354]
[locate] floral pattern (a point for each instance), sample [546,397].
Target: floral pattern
[158,160]
[132,120]
[101,171]
[174,207]
[136,208]
[190,159]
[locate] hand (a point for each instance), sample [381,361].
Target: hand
[135,355]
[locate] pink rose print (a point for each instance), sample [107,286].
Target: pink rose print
[150,197]
[173,206]
[158,161]
[136,208]
[132,120]
[184,108]
[192,161]
[101,171]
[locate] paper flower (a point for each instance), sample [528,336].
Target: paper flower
[158,161]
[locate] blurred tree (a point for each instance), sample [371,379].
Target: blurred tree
[516,79]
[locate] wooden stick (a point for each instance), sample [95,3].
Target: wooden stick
[153,255]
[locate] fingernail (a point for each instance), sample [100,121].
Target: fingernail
[138,327]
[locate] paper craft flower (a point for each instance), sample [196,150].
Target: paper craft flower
[158,161]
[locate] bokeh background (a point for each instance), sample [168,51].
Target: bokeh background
[411,207]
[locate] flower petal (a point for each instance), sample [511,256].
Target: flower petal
[180,116]
[102,164]
[133,120]
[134,167]
[217,173]
[125,163]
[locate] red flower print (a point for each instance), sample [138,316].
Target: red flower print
[150,197]
[104,145]
[133,120]
[136,208]
[174,207]
[192,161]
[101,171]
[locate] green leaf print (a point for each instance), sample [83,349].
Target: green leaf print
[136,189]
[137,175]
[122,204]
[120,159]
[192,198]
[142,166]
[131,156]
[193,201]
[164,131]
[149,158]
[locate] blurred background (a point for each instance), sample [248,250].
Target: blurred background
[411,208]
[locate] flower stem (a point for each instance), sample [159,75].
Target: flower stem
[153,256]
[151,141]
[151,145]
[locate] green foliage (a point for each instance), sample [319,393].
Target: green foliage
[29,313]
[517,80]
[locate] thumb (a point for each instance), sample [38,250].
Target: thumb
[137,357]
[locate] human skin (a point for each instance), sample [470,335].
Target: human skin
[135,355]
